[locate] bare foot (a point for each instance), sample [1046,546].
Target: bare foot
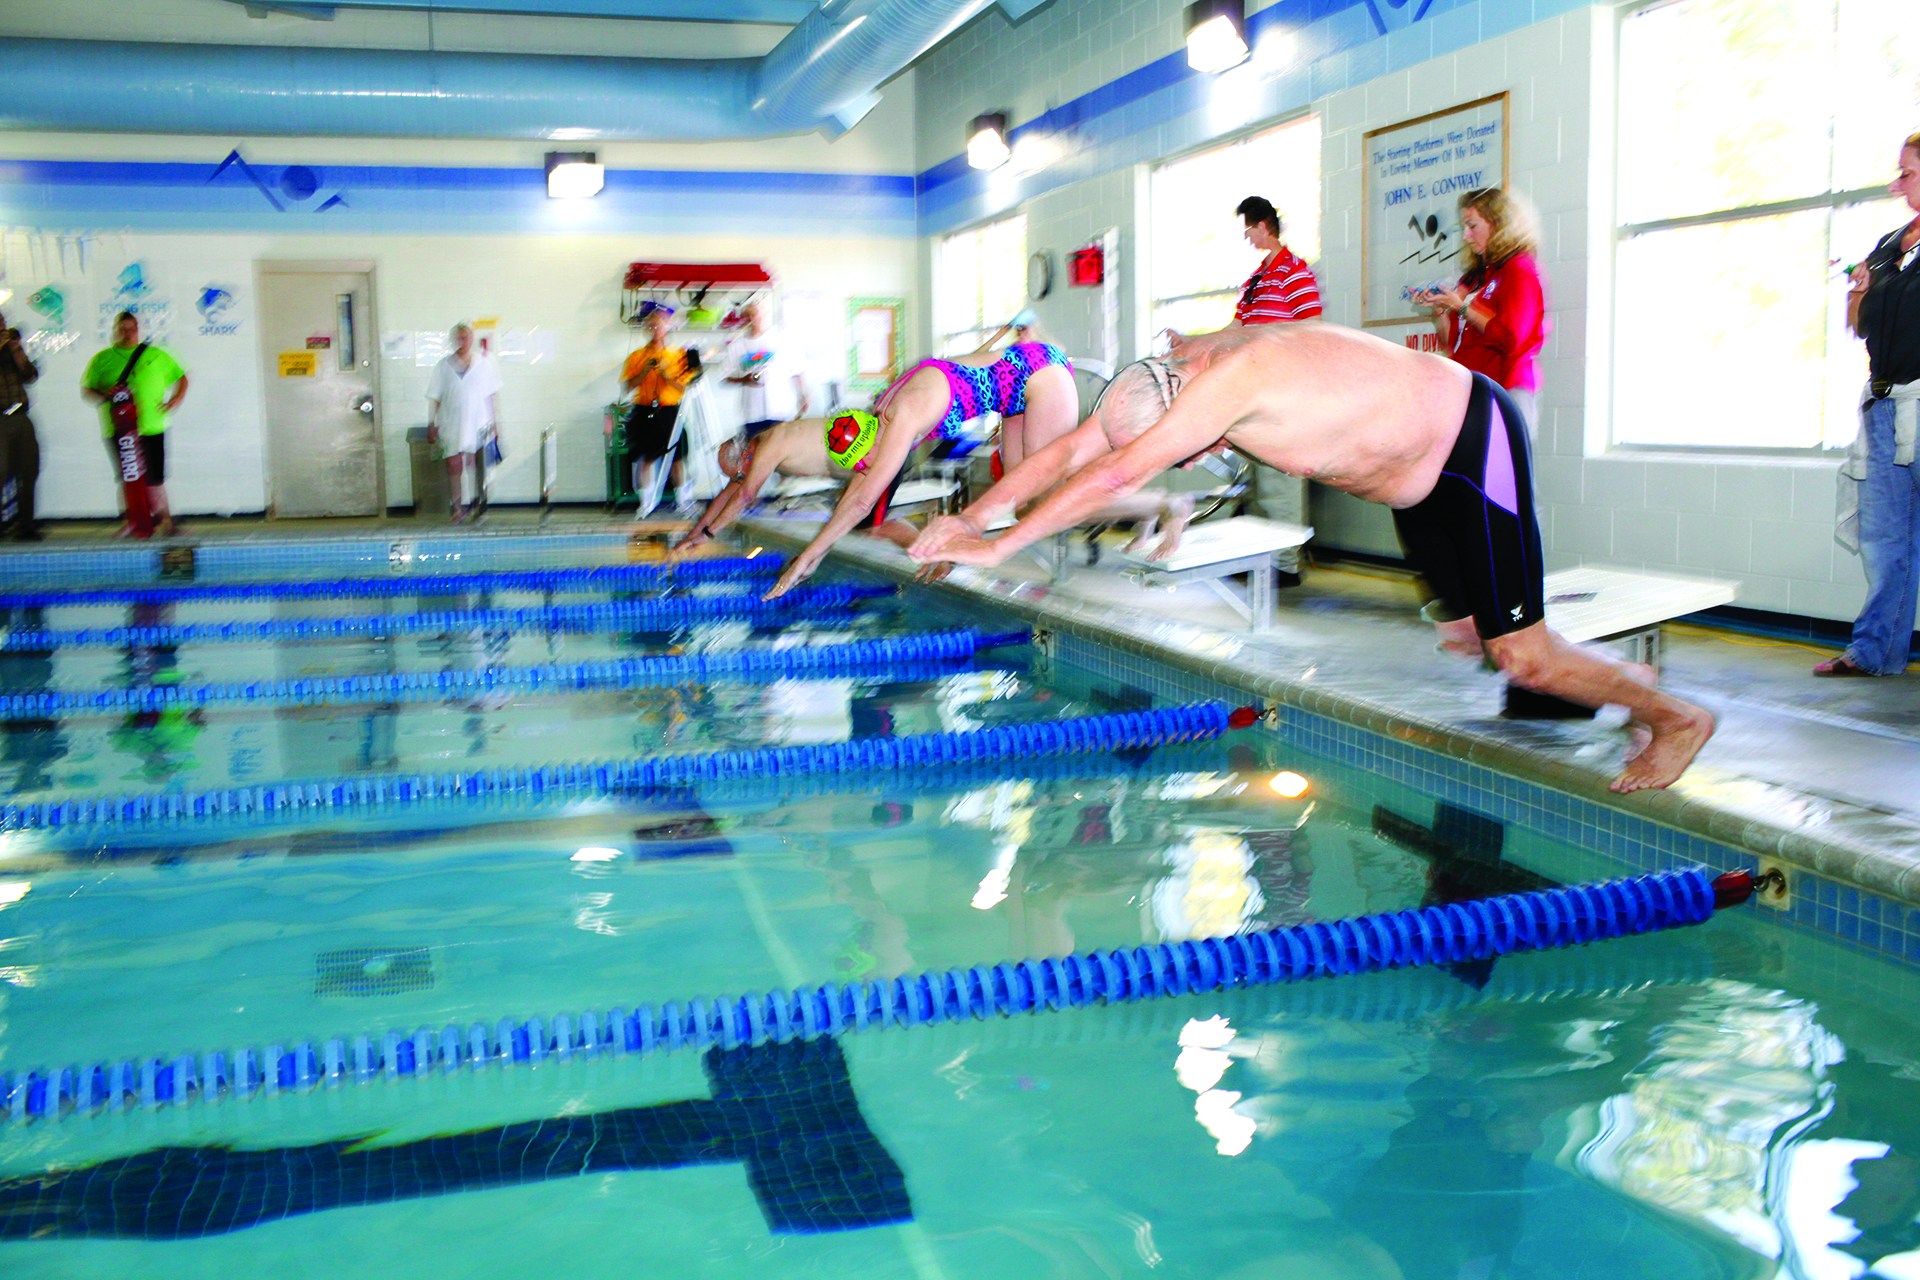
[1460,638]
[1669,750]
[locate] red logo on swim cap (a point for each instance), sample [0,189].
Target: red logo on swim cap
[846,430]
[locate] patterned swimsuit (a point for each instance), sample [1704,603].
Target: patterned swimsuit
[999,388]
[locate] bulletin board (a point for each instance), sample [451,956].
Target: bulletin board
[876,342]
[1415,173]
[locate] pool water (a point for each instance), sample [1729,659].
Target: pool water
[1727,1100]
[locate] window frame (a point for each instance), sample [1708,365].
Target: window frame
[1150,302]
[942,338]
[1623,232]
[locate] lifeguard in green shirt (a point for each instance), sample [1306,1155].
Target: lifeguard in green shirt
[158,384]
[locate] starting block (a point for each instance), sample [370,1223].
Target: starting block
[911,494]
[1215,550]
[1630,605]
[1593,603]
[916,493]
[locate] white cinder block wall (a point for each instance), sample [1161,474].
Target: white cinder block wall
[1766,521]
[529,274]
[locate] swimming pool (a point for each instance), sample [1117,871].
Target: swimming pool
[1691,1103]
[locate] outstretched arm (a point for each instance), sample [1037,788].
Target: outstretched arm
[735,498]
[1035,475]
[889,455]
[719,514]
[1198,419]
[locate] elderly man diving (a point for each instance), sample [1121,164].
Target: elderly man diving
[1443,447]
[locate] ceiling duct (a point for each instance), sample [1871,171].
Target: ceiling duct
[824,75]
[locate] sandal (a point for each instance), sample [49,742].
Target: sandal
[1841,666]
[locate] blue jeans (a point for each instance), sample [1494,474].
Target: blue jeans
[1889,548]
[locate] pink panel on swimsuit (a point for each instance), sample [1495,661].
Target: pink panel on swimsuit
[1499,484]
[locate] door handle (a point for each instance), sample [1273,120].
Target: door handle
[363,405]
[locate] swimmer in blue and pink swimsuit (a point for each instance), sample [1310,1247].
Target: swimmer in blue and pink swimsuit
[1030,385]
[973,391]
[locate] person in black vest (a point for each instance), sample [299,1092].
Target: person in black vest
[19,447]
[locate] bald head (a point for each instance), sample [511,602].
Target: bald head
[1138,397]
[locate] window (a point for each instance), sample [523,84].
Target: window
[1200,253]
[1756,138]
[981,283]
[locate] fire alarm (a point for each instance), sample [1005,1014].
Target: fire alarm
[1088,266]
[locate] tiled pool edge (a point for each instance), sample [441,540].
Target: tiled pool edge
[1864,896]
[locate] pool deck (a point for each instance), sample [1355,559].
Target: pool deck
[1821,774]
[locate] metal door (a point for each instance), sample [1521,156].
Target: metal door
[321,373]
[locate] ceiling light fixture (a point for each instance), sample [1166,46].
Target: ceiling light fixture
[574,175]
[1216,35]
[987,141]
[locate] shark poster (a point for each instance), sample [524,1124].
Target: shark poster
[1414,175]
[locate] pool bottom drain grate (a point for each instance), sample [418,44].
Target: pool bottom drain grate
[372,971]
[1457,932]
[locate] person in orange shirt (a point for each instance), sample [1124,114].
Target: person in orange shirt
[654,378]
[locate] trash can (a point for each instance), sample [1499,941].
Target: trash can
[619,472]
[430,500]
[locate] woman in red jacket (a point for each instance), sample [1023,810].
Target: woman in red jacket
[1495,320]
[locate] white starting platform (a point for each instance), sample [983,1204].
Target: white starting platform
[1214,551]
[917,493]
[784,491]
[1597,603]
[913,493]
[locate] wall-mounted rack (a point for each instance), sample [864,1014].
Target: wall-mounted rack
[706,295]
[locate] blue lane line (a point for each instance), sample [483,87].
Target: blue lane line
[617,615]
[366,793]
[916,654]
[604,577]
[1539,920]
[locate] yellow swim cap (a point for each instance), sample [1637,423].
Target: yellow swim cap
[850,434]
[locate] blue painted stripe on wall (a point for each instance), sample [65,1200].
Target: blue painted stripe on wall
[137,173]
[1148,113]
[386,198]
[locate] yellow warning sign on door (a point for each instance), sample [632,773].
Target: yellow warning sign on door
[299,364]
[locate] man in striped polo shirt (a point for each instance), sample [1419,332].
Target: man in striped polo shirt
[1282,287]
[1280,290]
